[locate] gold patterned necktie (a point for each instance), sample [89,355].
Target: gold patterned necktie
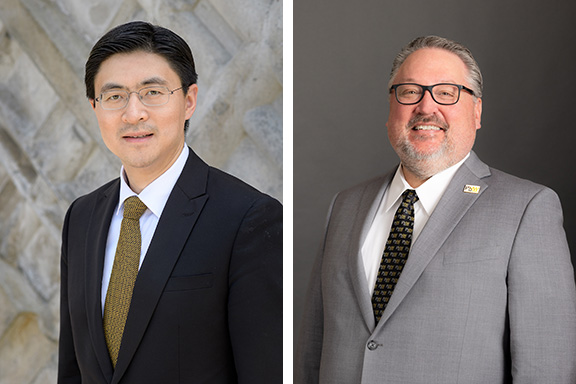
[395,253]
[123,275]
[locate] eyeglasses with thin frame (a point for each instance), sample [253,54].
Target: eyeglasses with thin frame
[153,96]
[442,93]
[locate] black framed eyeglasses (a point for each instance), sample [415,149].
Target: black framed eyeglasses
[442,93]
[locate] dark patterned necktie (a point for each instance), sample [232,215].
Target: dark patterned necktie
[124,272]
[395,253]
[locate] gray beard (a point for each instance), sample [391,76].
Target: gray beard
[424,165]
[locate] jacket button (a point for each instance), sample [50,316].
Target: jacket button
[372,345]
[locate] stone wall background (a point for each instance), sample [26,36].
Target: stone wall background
[50,146]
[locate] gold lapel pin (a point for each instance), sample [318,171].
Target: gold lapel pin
[471,188]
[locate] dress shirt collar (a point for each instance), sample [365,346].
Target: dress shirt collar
[156,194]
[429,193]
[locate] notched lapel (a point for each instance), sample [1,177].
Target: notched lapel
[99,223]
[449,211]
[366,211]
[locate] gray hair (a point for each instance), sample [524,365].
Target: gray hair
[474,75]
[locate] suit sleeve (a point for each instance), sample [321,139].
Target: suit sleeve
[309,347]
[68,370]
[542,297]
[310,338]
[255,295]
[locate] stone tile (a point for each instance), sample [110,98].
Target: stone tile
[9,53]
[252,166]
[63,26]
[51,151]
[8,311]
[10,203]
[209,53]
[20,293]
[96,171]
[14,115]
[89,18]
[247,20]
[4,176]
[32,95]
[49,206]
[61,146]
[221,28]
[24,350]
[264,125]
[22,225]
[50,318]
[48,374]
[40,262]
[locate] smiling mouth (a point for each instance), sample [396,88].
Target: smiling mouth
[427,128]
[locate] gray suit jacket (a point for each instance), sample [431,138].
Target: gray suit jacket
[487,294]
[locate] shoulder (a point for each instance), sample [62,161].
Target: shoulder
[85,203]
[366,190]
[236,204]
[516,197]
[221,187]
[222,182]
[226,189]
[518,189]
[104,190]
[232,201]
[504,186]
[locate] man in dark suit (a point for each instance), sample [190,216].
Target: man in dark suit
[188,290]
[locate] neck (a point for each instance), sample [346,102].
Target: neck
[139,178]
[413,179]
[136,181]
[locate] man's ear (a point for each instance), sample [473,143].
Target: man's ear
[191,100]
[478,113]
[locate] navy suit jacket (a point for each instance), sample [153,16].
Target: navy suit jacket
[207,302]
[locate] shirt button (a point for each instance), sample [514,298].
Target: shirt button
[372,345]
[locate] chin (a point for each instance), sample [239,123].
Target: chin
[410,152]
[426,164]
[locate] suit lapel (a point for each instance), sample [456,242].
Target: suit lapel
[99,223]
[366,211]
[451,208]
[178,218]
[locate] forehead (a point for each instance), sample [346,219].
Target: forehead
[432,65]
[134,69]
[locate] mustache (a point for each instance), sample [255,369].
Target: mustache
[135,129]
[427,119]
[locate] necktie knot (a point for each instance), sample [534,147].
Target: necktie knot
[410,196]
[134,208]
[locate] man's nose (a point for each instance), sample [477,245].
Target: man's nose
[135,111]
[427,105]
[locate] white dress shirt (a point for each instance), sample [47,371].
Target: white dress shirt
[429,194]
[154,196]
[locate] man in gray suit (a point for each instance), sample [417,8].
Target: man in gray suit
[465,278]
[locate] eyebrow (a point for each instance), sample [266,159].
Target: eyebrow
[150,81]
[412,80]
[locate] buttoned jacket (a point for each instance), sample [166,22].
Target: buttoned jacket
[487,294]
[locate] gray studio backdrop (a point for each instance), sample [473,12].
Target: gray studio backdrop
[343,52]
